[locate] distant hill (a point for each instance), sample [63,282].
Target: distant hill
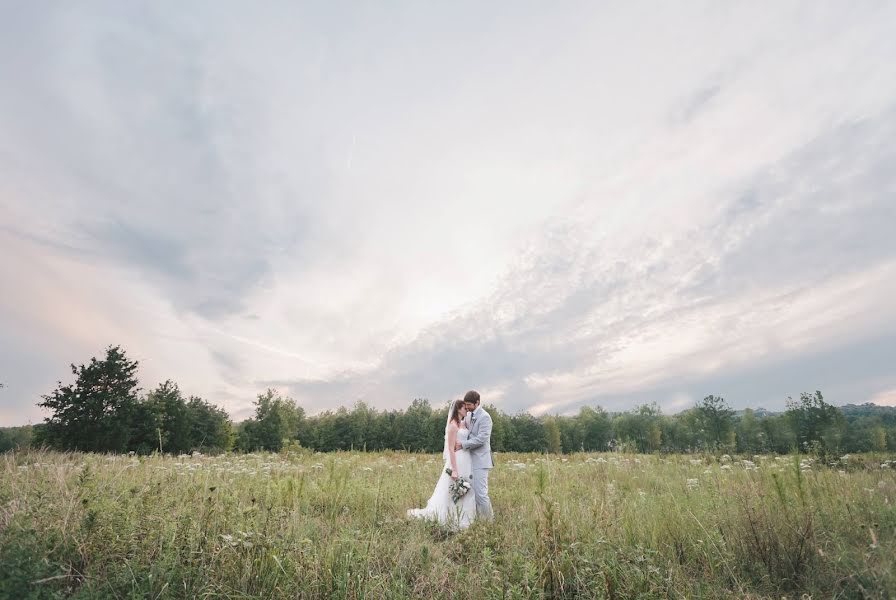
[851,411]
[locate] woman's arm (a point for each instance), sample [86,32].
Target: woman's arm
[452,453]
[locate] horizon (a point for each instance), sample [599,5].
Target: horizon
[558,206]
[436,406]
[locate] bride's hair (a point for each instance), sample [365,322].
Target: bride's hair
[455,408]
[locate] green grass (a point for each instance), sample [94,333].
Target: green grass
[302,525]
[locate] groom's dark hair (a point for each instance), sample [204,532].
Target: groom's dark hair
[472,397]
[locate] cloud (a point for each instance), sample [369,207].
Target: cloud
[885,398]
[554,207]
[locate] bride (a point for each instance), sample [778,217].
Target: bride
[440,506]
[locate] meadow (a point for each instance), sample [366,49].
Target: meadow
[299,524]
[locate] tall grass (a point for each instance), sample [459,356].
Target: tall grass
[303,525]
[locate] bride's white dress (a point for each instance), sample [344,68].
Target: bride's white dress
[440,506]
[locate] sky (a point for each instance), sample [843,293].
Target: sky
[555,204]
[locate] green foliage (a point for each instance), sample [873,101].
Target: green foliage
[12,438]
[815,423]
[715,420]
[277,420]
[93,414]
[36,563]
[102,412]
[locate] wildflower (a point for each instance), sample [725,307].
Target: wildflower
[696,461]
[725,467]
[693,483]
[642,493]
[725,458]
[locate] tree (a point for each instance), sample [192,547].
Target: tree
[276,419]
[552,431]
[814,422]
[716,420]
[879,439]
[595,429]
[750,437]
[210,428]
[640,427]
[14,438]
[93,414]
[414,431]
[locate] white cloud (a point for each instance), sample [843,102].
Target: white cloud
[552,206]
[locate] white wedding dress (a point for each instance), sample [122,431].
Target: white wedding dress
[440,506]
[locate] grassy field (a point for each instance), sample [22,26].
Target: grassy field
[302,525]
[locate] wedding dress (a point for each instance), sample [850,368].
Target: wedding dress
[440,506]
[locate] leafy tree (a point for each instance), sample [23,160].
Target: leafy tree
[640,427]
[500,428]
[750,437]
[13,438]
[716,421]
[413,423]
[879,438]
[93,414]
[277,419]
[595,429]
[552,432]
[210,428]
[813,422]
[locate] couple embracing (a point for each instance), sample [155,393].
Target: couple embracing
[468,458]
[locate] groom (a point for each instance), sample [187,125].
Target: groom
[479,444]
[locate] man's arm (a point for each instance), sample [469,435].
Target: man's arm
[485,432]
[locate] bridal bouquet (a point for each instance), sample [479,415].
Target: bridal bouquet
[458,488]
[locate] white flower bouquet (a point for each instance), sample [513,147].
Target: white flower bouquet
[459,487]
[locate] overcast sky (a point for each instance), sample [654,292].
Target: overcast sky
[555,204]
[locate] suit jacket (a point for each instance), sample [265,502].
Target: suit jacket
[479,440]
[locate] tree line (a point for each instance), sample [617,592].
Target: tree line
[105,411]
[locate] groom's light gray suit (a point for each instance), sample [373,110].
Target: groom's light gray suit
[479,445]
